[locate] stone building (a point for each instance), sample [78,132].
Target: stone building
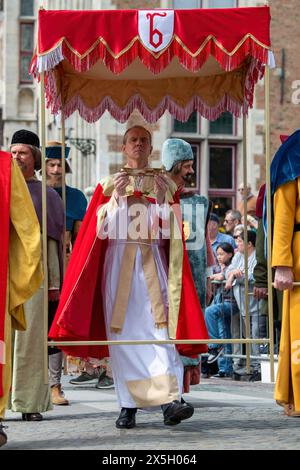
[96,147]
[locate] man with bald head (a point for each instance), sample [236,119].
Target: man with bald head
[251,200]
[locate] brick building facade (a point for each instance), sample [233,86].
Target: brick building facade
[284,114]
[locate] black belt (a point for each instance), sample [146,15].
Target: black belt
[297,228]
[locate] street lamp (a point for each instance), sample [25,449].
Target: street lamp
[85,146]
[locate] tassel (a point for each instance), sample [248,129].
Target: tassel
[50,60]
[255,72]
[150,115]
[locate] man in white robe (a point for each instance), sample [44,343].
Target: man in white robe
[134,289]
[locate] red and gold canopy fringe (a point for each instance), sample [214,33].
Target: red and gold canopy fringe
[202,43]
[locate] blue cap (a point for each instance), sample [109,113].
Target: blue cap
[174,151]
[54,150]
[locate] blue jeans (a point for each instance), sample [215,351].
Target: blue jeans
[218,322]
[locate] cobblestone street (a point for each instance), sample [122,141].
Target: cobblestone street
[228,415]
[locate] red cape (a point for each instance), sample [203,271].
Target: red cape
[80,313]
[5,185]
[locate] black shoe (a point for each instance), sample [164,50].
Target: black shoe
[175,412]
[32,417]
[3,436]
[126,419]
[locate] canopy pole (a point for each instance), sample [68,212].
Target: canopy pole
[44,223]
[269,222]
[159,341]
[64,199]
[63,187]
[245,178]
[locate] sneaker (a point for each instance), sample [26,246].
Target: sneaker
[214,354]
[105,382]
[256,376]
[222,375]
[84,379]
[243,371]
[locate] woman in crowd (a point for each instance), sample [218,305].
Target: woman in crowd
[218,314]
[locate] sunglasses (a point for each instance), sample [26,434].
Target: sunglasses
[226,221]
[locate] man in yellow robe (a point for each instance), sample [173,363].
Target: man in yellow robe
[285,183]
[20,267]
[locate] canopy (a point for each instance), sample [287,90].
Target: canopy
[152,60]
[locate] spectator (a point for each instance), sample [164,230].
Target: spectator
[216,237]
[252,222]
[235,277]
[232,219]
[251,200]
[218,315]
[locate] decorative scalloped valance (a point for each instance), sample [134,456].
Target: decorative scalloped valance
[152,60]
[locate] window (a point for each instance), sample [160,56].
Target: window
[220,4]
[190,126]
[222,125]
[26,8]
[187,4]
[222,177]
[221,167]
[1,5]
[220,205]
[26,50]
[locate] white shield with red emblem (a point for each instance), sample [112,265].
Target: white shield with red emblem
[156,28]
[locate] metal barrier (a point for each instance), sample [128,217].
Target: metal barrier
[257,324]
[222,341]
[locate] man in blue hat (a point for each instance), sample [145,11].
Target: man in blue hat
[75,199]
[178,160]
